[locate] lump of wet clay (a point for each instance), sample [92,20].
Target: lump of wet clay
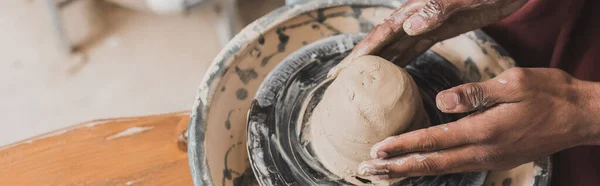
[371,99]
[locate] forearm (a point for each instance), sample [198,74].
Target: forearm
[589,99]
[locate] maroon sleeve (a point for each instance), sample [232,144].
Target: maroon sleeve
[561,34]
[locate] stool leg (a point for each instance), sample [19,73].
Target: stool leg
[228,16]
[57,23]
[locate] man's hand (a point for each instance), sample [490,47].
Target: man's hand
[418,24]
[523,114]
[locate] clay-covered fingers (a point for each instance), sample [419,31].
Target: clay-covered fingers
[456,18]
[384,34]
[471,13]
[406,49]
[467,19]
[437,20]
[477,96]
[387,32]
[460,159]
[433,13]
[425,140]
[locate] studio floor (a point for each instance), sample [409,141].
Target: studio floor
[140,64]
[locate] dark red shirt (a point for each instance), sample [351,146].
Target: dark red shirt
[561,34]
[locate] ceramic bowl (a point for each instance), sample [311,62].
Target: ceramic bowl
[217,130]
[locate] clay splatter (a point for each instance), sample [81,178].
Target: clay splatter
[133,181]
[479,43]
[370,170]
[315,26]
[227,172]
[500,51]
[482,37]
[247,178]
[365,25]
[419,157]
[241,94]
[217,70]
[471,73]
[228,121]
[255,52]
[321,15]
[503,81]
[283,39]
[265,60]
[328,26]
[489,72]
[129,132]
[320,18]
[246,75]
[261,39]
[357,11]
[444,127]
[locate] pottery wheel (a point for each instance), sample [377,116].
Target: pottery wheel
[281,154]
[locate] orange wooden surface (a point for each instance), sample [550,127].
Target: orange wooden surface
[127,151]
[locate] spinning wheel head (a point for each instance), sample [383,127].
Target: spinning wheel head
[279,143]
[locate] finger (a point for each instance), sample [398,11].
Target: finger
[460,159]
[397,49]
[433,14]
[403,51]
[462,21]
[441,26]
[453,22]
[473,96]
[429,139]
[382,35]
[387,32]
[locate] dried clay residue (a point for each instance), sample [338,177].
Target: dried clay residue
[129,132]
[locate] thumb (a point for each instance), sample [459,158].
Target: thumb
[473,96]
[433,14]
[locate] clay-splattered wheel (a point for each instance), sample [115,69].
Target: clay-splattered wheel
[280,153]
[217,132]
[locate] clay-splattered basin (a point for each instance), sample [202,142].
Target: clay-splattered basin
[278,118]
[217,131]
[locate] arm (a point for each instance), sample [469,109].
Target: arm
[590,93]
[419,24]
[524,114]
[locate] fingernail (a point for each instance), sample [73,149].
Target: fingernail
[414,25]
[382,154]
[448,101]
[367,169]
[375,152]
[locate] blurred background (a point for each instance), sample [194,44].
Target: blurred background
[65,62]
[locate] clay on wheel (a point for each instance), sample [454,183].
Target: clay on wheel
[370,100]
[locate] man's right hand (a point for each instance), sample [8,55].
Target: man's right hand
[418,24]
